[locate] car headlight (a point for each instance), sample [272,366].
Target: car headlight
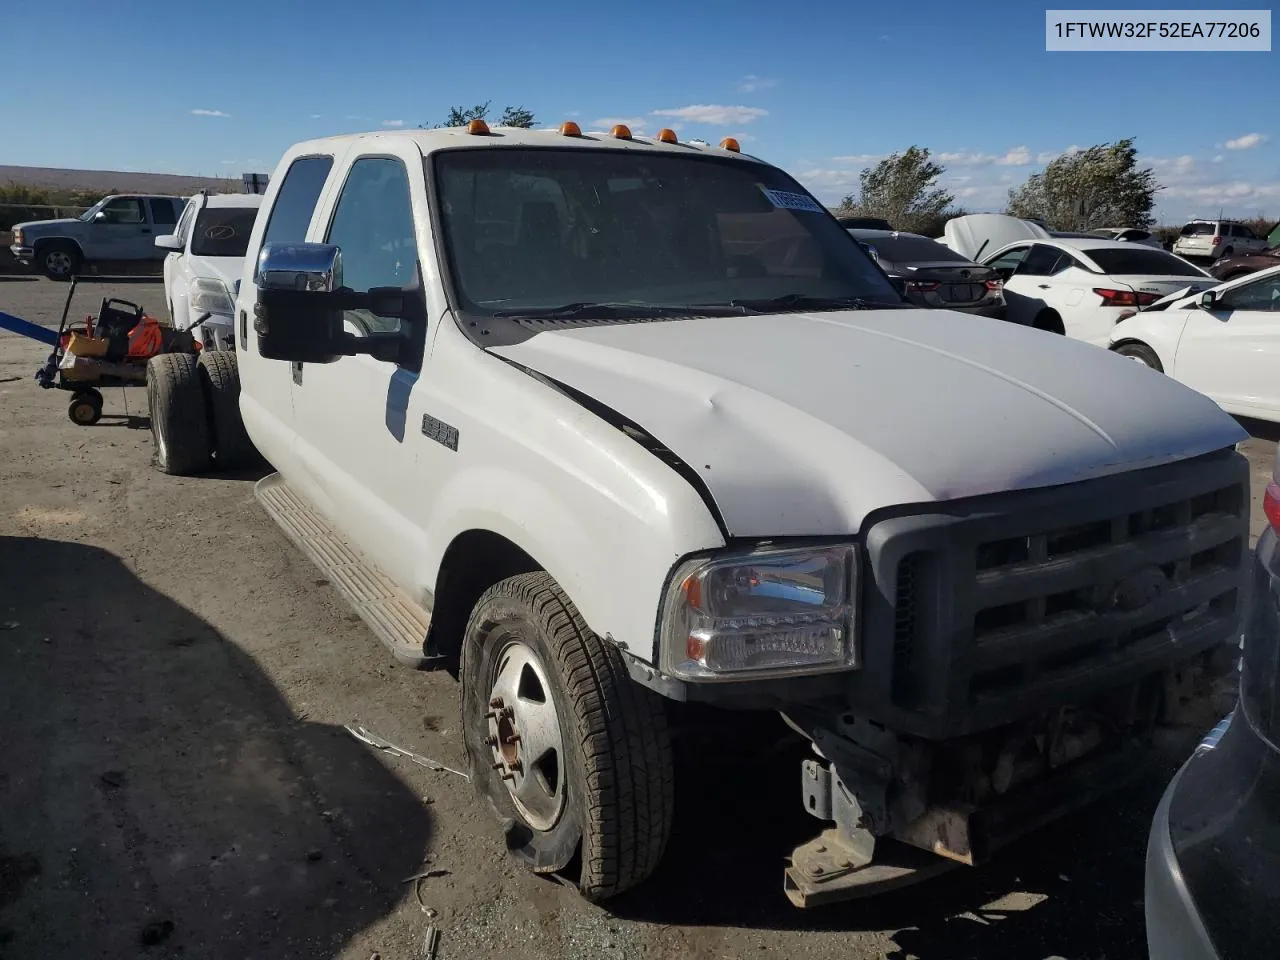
[211,296]
[769,612]
[17,238]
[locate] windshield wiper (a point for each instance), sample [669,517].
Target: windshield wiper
[590,310]
[804,301]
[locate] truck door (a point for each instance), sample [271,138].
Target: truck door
[357,419]
[266,395]
[118,234]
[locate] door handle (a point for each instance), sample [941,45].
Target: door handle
[297,372]
[1043,286]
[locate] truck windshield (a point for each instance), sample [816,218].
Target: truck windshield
[222,231]
[625,232]
[88,214]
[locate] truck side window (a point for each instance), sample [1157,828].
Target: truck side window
[296,200]
[124,210]
[162,212]
[373,226]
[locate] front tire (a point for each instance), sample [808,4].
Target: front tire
[1049,322]
[571,754]
[59,260]
[85,408]
[1141,353]
[179,417]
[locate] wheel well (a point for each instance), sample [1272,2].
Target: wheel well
[1133,342]
[1050,321]
[473,562]
[42,242]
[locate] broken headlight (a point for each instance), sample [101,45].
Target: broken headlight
[770,612]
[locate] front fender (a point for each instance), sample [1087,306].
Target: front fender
[591,506]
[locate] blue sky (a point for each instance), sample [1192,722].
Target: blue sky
[822,89]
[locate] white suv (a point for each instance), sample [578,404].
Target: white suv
[1217,238]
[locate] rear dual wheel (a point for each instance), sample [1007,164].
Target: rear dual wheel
[572,755]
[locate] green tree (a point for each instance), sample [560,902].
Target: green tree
[1098,187]
[511,116]
[902,189]
[517,117]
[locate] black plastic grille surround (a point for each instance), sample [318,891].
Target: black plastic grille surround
[980,612]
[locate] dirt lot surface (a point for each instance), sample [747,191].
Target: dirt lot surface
[177,782]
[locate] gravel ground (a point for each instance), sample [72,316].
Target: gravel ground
[174,681]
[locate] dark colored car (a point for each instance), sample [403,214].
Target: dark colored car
[1211,884]
[1228,268]
[932,275]
[864,223]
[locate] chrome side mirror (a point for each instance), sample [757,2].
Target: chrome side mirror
[309,267]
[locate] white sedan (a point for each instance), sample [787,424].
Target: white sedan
[206,252]
[1224,342]
[1084,287]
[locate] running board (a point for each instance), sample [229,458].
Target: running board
[395,619]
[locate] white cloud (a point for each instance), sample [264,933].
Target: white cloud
[863,158]
[714,113]
[636,124]
[354,116]
[1218,158]
[1178,166]
[1246,142]
[1015,157]
[229,163]
[751,83]
[884,36]
[393,123]
[1048,156]
[209,113]
[573,113]
[829,184]
[316,116]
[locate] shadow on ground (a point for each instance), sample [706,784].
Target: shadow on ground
[1074,890]
[157,791]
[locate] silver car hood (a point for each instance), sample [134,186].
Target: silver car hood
[802,424]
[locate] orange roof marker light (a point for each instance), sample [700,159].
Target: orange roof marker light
[477,127]
[620,131]
[728,143]
[667,135]
[570,129]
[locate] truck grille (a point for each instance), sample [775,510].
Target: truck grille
[1003,605]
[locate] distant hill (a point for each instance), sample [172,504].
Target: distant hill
[116,181]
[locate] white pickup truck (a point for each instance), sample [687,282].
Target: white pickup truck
[615,424]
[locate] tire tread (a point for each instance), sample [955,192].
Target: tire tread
[626,745]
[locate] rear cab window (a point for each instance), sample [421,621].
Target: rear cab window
[1199,229]
[162,212]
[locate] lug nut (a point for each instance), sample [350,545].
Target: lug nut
[513,739]
[516,765]
[495,702]
[815,870]
[499,765]
[491,715]
[491,741]
[508,776]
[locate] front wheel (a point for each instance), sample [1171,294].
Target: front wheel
[59,261]
[1142,354]
[571,754]
[85,408]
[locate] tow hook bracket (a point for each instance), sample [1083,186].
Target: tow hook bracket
[824,871]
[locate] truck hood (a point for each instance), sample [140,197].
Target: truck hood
[41,226]
[803,424]
[979,234]
[226,269]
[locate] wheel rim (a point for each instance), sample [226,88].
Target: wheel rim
[83,412]
[524,739]
[162,449]
[58,262]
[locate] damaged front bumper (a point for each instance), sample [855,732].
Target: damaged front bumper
[901,810]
